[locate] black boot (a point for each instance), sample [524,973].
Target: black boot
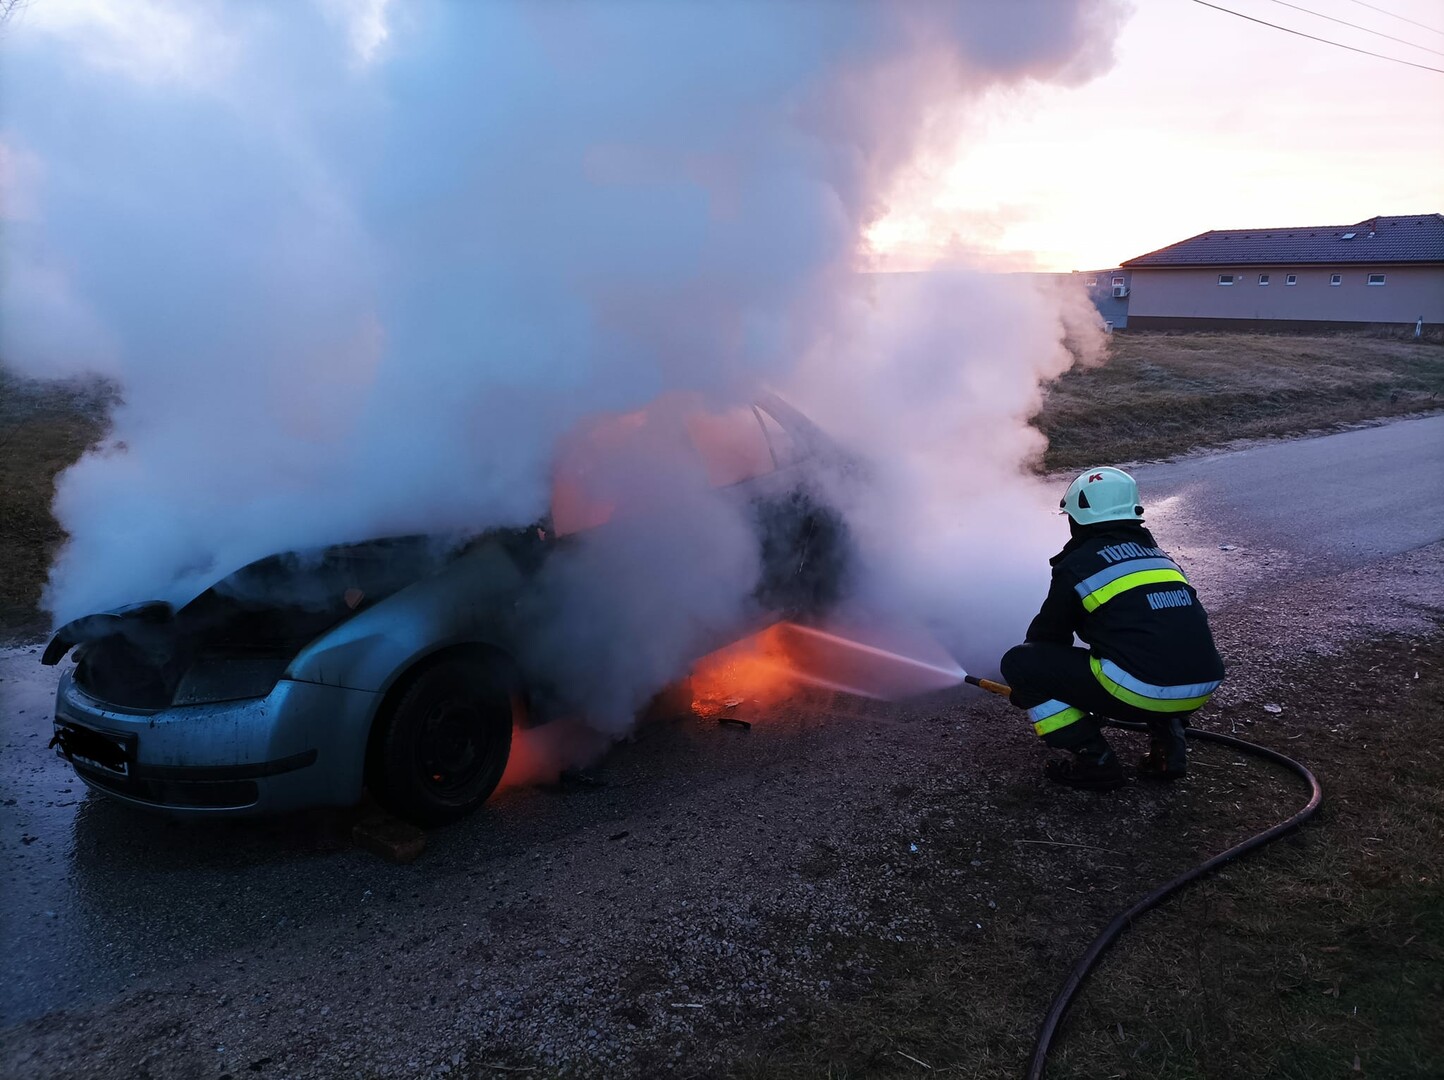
[1089,772]
[1092,766]
[1167,757]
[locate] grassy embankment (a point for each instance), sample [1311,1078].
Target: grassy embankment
[1321,956]
[1158,394]
[44,427]
[1162,394]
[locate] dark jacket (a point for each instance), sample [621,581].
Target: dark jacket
[1121,593]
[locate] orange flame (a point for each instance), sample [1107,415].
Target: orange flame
[773,664]
[540,755]
[534,759]
[745,679]
[755,671]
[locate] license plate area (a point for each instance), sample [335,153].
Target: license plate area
[98,750]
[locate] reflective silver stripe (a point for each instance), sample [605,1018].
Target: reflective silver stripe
[1047,709]
[1123,569]
[1159,693]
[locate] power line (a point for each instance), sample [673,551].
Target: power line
[1356,26]
[1391,15]
[1326,41]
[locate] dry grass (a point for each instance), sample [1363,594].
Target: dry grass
[1161,394]
[1321,956]
[1325,958]
[44,427]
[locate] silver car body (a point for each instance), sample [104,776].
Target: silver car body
[304,743]
[223,749]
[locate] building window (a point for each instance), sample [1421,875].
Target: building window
[1336,279]
[1376,279]
[1292,279]
[1118,280]
[1225,279]
[1263,279]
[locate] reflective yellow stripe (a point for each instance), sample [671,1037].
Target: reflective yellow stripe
[1057,720]
[1138,701]
[1096,599]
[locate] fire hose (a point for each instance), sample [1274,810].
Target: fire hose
[1124,919]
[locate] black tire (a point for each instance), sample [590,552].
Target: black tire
[442,749]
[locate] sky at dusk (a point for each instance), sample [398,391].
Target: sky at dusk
[1206,122]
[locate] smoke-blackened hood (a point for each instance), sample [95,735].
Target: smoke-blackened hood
[139,655]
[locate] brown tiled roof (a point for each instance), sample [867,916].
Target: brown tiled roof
[1405,239]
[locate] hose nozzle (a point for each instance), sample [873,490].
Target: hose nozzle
[989,685]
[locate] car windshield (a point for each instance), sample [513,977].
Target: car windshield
[728,447]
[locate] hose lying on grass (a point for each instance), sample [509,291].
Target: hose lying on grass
[1124,919]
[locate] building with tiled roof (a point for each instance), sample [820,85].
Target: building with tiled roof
[1383,271]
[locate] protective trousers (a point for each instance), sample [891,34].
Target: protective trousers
[1056,684]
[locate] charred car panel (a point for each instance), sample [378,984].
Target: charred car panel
[243,630]
[467,602]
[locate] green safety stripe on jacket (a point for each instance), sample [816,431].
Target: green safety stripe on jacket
[1094,600]
[1058,720]
[1139,701]
[1094,582]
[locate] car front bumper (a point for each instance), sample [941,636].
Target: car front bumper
[302,745]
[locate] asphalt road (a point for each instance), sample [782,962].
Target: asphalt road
[1340,500]
[99,900]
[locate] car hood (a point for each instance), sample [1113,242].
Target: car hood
[276,604]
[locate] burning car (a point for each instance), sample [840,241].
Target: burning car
[394,665]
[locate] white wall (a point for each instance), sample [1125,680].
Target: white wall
[1408,292]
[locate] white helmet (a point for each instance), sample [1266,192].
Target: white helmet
[1102,494]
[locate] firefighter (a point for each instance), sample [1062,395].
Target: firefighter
[1150,655]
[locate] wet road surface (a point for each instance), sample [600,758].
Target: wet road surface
[99,899]
[1339,501]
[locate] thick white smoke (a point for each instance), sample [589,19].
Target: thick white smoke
[943,371]
[357,268]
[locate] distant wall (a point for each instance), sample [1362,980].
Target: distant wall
[1099,286]
[1297,326]
[1194,294]
[1114,309]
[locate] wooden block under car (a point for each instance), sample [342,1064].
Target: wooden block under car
[391,838]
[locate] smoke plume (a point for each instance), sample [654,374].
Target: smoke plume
[359,268]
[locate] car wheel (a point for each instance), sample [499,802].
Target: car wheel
[444,746]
